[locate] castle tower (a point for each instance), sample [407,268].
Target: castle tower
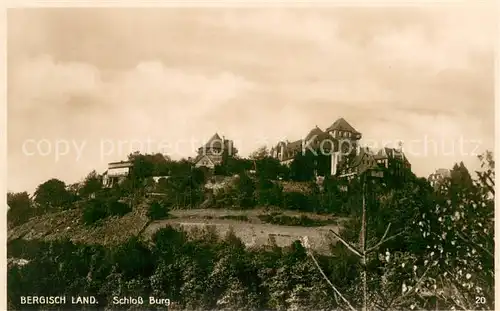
[348,138]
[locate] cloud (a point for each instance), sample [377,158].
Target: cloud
[41,78]
[151,101]
[253,75]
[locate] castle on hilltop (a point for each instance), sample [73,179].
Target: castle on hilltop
[211,153]
[340,141]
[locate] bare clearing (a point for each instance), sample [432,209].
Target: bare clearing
[115,230]
[253,232]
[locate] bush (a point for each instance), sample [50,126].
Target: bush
[20,208]
[266,218]
[157,210]
[246,191]
[242,195]
[53,194]
[133,258]
[94,211]
[285,220]
[117,208]
[269,193]
[100,208]
[225,198]
[235,217]
[296,201]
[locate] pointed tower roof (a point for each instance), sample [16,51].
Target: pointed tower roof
[343,125]
[315,132]
[214,141]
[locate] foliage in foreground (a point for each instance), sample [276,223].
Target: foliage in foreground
[194,273]
[436,251]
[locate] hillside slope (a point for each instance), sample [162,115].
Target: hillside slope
[115,230]
[68,224]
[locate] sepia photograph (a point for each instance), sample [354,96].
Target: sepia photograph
[251,158]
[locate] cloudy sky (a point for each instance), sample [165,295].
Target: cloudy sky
[85,86]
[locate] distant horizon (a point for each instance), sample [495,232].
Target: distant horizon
[101,171]
[102,166]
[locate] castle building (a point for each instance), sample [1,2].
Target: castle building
[116,173]
[437,178]
[337,141]
[211,154]
[358,163]
[393,160]
[341,142]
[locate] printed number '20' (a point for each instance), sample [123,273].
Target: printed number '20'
[481,300]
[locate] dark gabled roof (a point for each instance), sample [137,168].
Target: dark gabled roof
[343,125]
[294,145]
[290,148]
[383,153]
[324,141]
[353,159]
[363,152]
[200,157]
[315,132]
[390,153]
[214,141]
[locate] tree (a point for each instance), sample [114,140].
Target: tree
[52,193]
[303,167]
[232,165]
[364,250]
[143,167]
[19,207]
[261,153]
[133,258]
[459,234]
[323,164]
[448,260]
[160,164]
[234,296]
[268,168]
[269,193]
[246,191]
[331,197]
[91,184]
[486,177]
